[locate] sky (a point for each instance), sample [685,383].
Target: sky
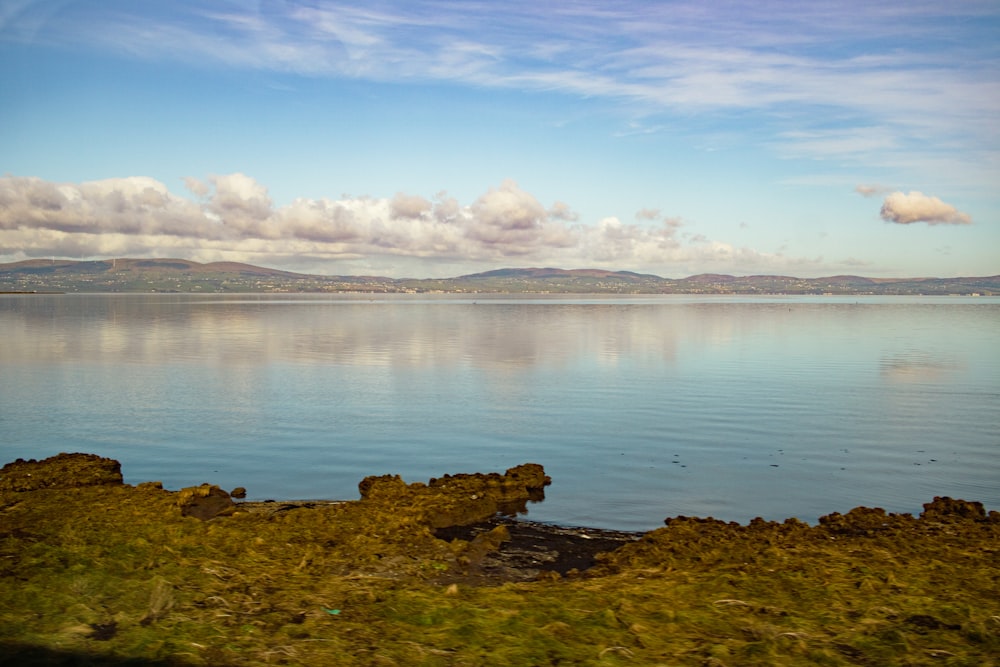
[436,139]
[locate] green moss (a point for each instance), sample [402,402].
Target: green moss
[119,572]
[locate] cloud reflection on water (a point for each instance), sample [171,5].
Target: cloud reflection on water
[916,367]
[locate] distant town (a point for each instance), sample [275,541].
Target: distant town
[183,276]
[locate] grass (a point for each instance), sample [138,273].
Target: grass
[114,574]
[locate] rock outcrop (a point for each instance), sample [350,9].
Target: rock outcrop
[458,500]
[205,502]
[63,471]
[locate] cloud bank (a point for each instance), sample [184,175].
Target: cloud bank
[905,209]
[232,217]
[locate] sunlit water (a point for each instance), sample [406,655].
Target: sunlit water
[639,408]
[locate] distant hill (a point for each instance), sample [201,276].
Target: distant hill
[170,275]
[598,280]
[627,276]
[180,275]
[69,267]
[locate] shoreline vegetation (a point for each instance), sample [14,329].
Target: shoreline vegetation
[97,572]
[184,276]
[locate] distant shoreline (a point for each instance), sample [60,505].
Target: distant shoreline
[184,276]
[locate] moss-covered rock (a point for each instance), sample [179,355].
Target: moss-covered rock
[205,502]
[63,471]
[462,499]
[107,573]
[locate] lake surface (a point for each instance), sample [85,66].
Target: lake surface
[639,407]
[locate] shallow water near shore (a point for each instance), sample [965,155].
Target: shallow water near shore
[639,408]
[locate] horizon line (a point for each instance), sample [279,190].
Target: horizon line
[484,273]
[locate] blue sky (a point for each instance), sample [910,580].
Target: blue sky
[430,139]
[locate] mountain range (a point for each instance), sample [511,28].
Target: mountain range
[180,275]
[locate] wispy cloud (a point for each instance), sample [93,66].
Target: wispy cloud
[864,64]
[871,189]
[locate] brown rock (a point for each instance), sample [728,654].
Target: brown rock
[865,521]
[461,499]
[946,509]
[205,502]
[63,471]
[381,486]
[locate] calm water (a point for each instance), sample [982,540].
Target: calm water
[639,408]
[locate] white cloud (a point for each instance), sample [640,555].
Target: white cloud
[410,206]
[242,205]
[844,143]
[134,205]
[514,222]
[235,219]
[865,64]
[906,209]
[870,190]
[196,186]
[563,211]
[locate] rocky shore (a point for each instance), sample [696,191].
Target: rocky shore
[95,571]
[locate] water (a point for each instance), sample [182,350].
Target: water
[639,408]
